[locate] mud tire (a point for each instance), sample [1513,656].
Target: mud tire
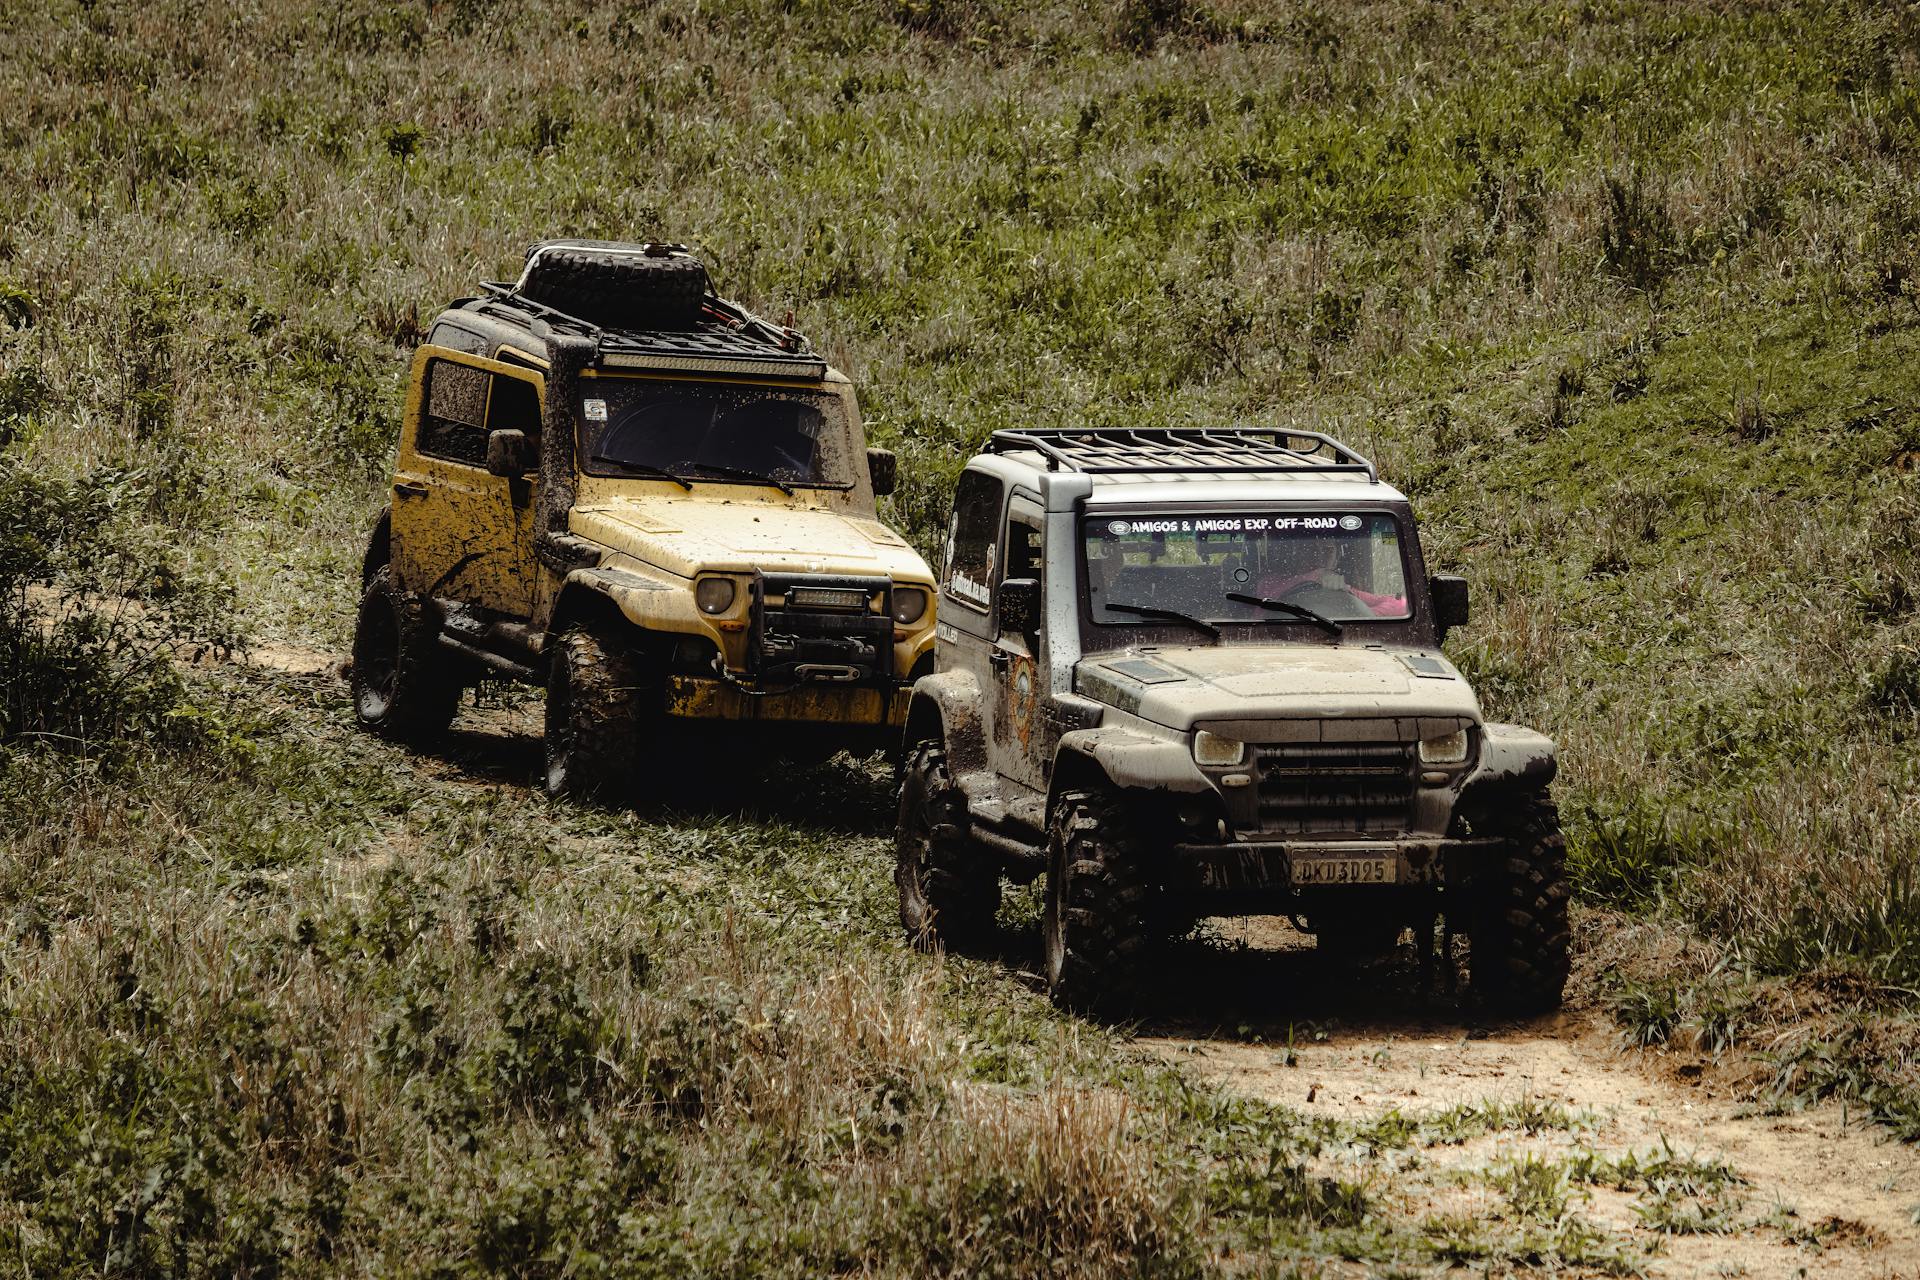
[949,885]
[404,684]
[1522,943]
[619,290]
[595,702]
[1100,921]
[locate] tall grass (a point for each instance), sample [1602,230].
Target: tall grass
[1623,294]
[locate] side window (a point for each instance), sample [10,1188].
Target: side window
[971,554]
[1023,547]
[453,414]
[515,406]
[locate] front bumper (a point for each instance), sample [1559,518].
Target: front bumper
[855,706]
[1292,866]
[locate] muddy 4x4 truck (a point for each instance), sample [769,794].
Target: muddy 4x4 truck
[612,482]
[1185,673]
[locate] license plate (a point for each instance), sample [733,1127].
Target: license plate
[1378,869]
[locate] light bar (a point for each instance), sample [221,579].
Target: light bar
[802,367]
[826,598]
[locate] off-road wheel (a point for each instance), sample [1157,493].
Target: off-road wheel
[622,290]
[405,686]
[949,885]
[1518,926]
[595,704]
[1099,923]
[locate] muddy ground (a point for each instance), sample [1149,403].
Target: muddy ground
[1814,1192]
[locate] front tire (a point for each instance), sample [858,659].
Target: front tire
[403,683]
[949,887]
[594,707]
[1098,922]
[1522,942]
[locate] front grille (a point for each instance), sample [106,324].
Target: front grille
[1349,788]
[820,627]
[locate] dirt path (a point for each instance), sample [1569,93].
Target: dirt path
[1816,1193]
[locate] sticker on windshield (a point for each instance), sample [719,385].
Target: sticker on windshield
[596,410]
[1237,524]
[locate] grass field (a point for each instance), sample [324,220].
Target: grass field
[1625,295]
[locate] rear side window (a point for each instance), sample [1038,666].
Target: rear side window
[453,414]
[971,554]
[448,334]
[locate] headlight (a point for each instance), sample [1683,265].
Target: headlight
[909,605]
[1211,748]
[714,595]
[1451,749]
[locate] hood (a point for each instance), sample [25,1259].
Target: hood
[686,535]
[1180,687]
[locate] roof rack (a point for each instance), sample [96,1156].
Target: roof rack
[728,339]
[1227,450]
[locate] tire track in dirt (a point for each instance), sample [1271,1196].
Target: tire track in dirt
[1826,1194]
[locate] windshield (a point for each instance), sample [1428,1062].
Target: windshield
[705,431]
[1341,566]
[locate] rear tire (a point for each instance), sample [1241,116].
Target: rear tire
[949,886]
[403,683]
[1522,943]
[1098,924]
[594,707]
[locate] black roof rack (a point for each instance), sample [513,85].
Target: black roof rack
[1220,450]
[728,338]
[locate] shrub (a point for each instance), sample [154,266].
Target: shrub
[93,617]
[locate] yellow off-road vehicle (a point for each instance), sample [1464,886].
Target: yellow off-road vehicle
[613,482]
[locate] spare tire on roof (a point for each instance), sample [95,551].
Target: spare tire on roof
[617,286]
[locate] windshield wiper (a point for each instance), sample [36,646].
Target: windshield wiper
[645,469]
[1154,611]
[741,473]
[1287,606]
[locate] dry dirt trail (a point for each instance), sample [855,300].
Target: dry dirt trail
[1823,1193]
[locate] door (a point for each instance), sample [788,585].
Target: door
[1017,737]
[460,532]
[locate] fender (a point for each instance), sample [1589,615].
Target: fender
[625,589]
[379,547]
[947,705]
[1512,760]
[1126,759]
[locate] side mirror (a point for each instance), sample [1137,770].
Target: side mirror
[883,468]
[512,453]
[1020,605]
[1449,602]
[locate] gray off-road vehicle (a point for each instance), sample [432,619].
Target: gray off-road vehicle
[1186,673]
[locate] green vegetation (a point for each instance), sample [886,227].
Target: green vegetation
[1627,296]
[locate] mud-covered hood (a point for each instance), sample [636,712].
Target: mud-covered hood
[688,537]
[1179,687]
